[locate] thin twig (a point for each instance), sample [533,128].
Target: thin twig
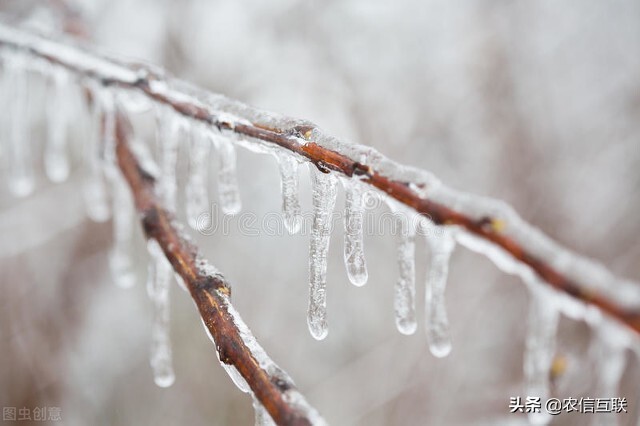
[189,102]
[211,293]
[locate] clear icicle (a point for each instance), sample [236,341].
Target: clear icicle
[324,200]
[20,164]
[228,193]
[121,258]
[405,289]
[196,191]
[441,245]
[56,160]
[159,280]
[94,188]
[353,229]
[540,346]
[170,129]
[288,166]
[261,415]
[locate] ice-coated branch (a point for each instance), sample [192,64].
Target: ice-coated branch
[481,224]
[243,358]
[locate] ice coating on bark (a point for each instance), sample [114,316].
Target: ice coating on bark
[158,283]
[353,232]
[441,245]
[288,166]
[324,199]
[262,417]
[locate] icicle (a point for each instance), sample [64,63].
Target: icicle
[121,259]
[608,352]
[160,273]
[353,230]
[405,289]
[228,193]
[437,323]
[97,155]
[262,416]
[170,129]
[289,185]
[56,161]
[20,163]
[540,346]
[196,190]
[324,200]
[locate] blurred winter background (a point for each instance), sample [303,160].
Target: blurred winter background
[534,102]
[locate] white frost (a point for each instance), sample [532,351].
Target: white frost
[324,200]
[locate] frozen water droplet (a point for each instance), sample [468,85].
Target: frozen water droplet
[20,163]
[353,229]
[159,280]
[288,166]
[441,245]
[608,356]
[540,345]
[324,200]
[196,191]
[121,258]
[405,288]
[56,160]
[228,192]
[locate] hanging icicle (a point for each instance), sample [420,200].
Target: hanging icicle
[540,345]
[228,192]
[122,254]
[20,177]
[56,161]
[97,156]
[324,200]
[288,166]
[441,245]
[170,129]
[158,283]
[405,289]
[197,193]
[353,233]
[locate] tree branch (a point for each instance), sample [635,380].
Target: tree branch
[211,292]
[483,219]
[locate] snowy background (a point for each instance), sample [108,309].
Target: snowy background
[533,102]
